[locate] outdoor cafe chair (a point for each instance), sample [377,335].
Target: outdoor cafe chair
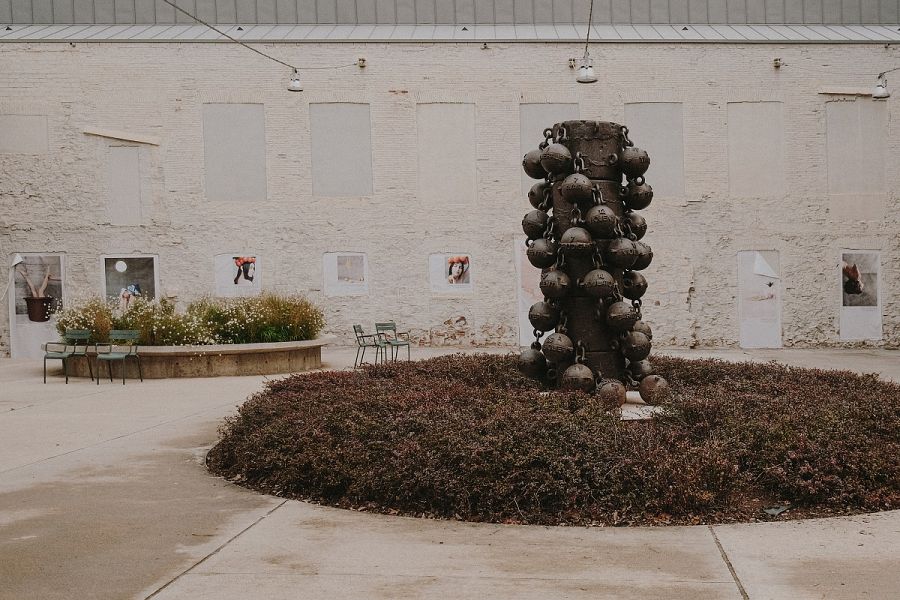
[364,341]
[397,340]
[73,345]
[121,346]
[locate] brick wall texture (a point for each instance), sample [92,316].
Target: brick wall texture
[56,202]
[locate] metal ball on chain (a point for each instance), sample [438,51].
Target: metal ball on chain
[634,162]
[542,253]
[621,316]
[636,223]
[620,253]
[643,328]
[578,377]
[638,194]
[537,193]
[640,369]
[654,389]
[644,256]
[634,285]
[532,363]
[635,346]
[531,162]
[601,221]
[543,316]
[558,347]
[576,187]
[555,284]
[535,223]
[611,392]
[556,159]
[599,284]
[576,241]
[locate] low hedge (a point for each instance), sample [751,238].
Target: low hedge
[468,437]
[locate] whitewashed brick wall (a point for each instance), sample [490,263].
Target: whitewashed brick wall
[57,201]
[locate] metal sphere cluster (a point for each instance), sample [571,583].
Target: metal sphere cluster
[585,235]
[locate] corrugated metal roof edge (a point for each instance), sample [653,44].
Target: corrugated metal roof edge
[319,34]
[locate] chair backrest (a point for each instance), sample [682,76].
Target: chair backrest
[125,336]
[386,326]
[77,337]
[358,330]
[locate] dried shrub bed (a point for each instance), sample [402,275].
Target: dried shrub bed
[468,437]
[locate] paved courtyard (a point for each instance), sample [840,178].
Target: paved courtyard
[103,494]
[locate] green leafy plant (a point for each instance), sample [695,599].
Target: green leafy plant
[93,313]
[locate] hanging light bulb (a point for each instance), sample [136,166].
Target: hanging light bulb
[881,91]
[295,85]
[586,70]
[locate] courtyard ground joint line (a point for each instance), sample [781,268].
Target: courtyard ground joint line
[216,551]
[737,580]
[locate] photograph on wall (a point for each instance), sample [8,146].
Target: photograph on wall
[237,274]
[38,286]
[346,273]
[759,299]
[860,272]
[127,278]
[450,273]
[528,291]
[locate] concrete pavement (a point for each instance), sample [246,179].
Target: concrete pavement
[103,494]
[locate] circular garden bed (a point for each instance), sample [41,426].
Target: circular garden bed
[468,437]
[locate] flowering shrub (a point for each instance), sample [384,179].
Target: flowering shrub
[468,437]
[91,313]
[266,318]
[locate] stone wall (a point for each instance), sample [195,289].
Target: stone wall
[154,92]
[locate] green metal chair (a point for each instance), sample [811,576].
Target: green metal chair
[396,340]
[119,339]
[71,348]
[364,341]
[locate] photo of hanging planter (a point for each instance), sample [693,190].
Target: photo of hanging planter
[39,273]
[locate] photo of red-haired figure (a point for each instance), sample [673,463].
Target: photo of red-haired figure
[246,269]
[457,269]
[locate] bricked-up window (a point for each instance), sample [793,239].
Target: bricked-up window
[533,119]
[123,176]
[234,152]
[23,134]
[446,154]
[755,149]
[341,139]
[856,143]
[658,128]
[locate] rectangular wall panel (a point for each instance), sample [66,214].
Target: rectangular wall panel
[446,154]
[341,138]
[658,128]
[755,149]
[123,176]
[533,119]
[23,134]
[759,299]
[234,152]
[856,142]
[861,310]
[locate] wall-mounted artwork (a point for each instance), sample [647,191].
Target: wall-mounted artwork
[860,275]
[35,294]
[237,274]
[126,278]
[346,274]
[450,273]
[759,299]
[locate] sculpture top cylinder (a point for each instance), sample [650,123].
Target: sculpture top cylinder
[600,144]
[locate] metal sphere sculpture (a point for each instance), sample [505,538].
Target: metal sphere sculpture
[583,234]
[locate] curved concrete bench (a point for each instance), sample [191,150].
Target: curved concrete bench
[215,361]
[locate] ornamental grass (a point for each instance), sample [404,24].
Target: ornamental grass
[468,437]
